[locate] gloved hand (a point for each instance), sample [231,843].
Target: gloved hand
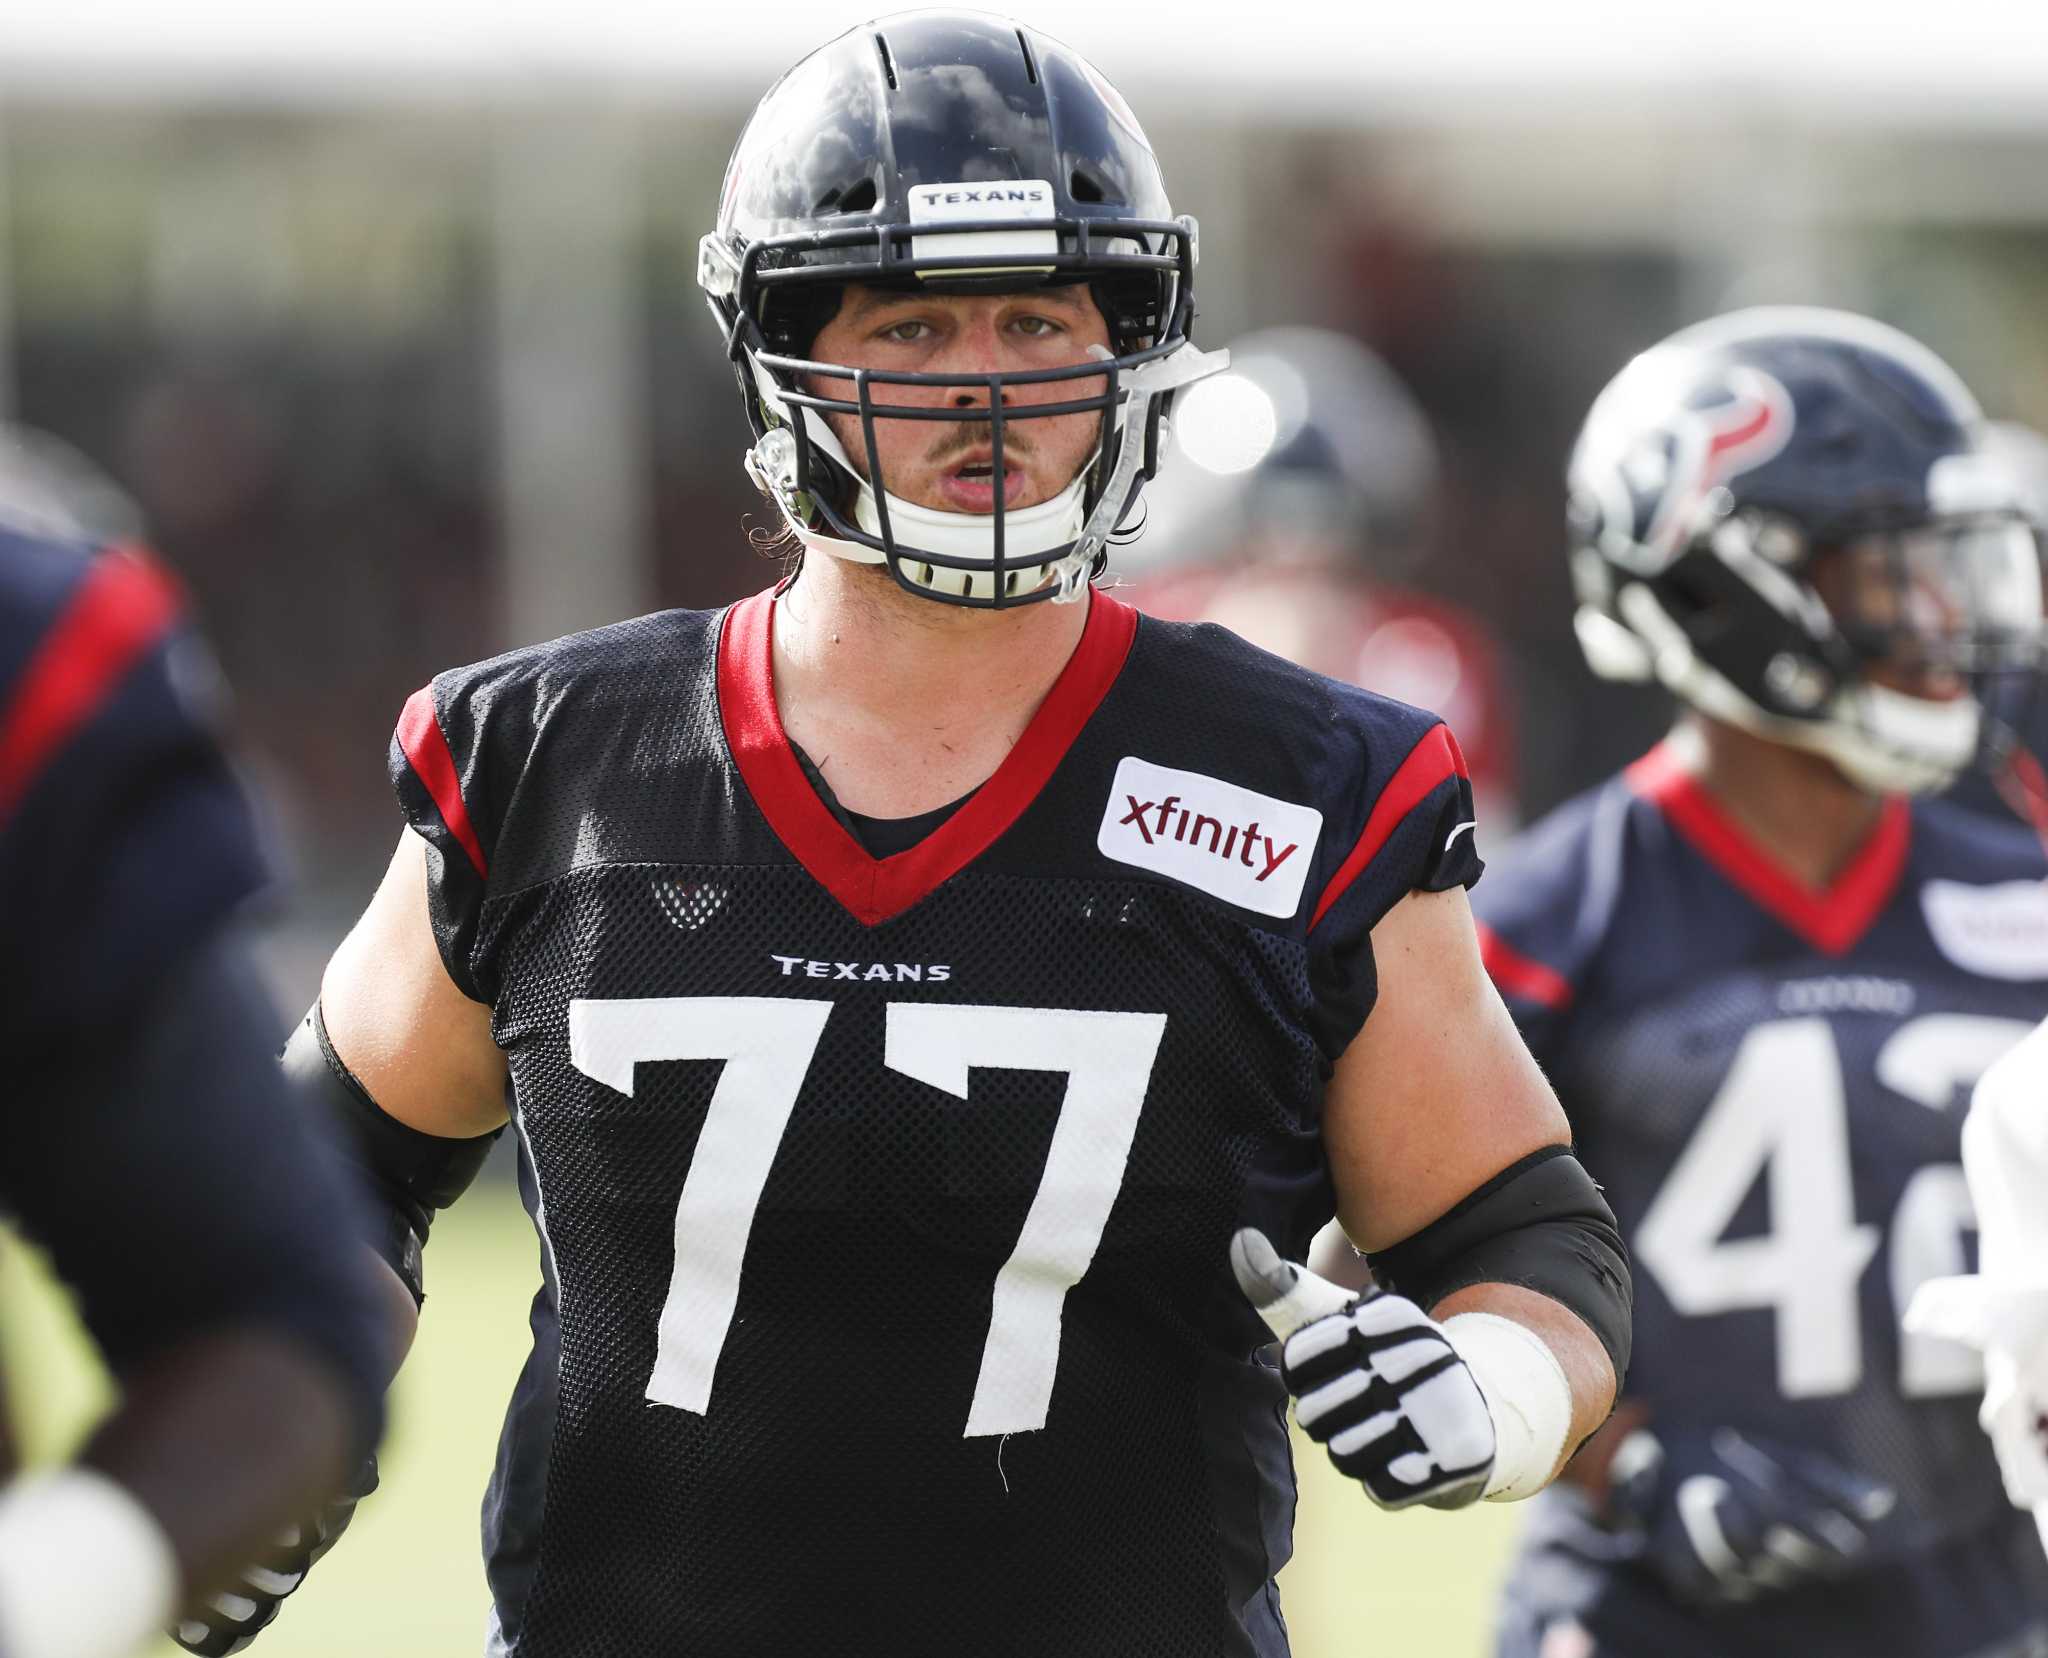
[233,1618]
[2008,1324]
[1724,1517]
[1376,1382]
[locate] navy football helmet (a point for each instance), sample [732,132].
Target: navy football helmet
[49,489]
[1791,518]
[953,151]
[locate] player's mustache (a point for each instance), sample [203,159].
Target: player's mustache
[979,434]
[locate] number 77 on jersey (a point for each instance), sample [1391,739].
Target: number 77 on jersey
[767,1044]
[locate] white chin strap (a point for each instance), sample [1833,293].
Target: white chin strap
[1059,523]
[1880,739]
[1892,743]
[915,529]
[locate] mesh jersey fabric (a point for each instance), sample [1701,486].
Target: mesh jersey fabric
[1741,1062]
[593,840]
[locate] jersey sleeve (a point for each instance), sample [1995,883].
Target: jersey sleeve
[125,837]
[1544,913]
[1407,825]
[455,758]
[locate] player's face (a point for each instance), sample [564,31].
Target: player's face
[944,464]
[1928,607]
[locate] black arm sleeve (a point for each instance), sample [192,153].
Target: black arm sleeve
[177,1191]
[1540,1223]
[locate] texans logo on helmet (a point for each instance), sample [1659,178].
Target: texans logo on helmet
[1674,467]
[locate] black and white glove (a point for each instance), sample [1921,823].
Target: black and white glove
[1376,1382]
[1724,1517]
[234,1617]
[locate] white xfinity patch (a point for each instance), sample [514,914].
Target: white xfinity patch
[1023,199]
[1247,848]
[1998,931]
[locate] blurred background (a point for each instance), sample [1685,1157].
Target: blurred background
[385,315]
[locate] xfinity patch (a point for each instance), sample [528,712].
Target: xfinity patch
[1998,931]
[1245,848]
[1023,200]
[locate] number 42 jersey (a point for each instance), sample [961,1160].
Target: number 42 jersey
[1771,1082]
[885,1203]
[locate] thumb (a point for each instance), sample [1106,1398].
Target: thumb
[1286,1296]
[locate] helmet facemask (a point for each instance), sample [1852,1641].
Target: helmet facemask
[1889,653]
[1139,275]
[1942,622]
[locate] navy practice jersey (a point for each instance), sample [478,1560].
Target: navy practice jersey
[1770,1082]
[147,1144]
[124,837]
[885,1204]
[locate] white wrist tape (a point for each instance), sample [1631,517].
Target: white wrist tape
[1526,1393]
[85,1571]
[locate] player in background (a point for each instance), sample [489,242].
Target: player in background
[1299,493]
[931,996]
[1763,969]
[148,1147]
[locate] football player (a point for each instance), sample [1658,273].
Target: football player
[1763,972]
[213,1254]
[1298,494]
[933,999]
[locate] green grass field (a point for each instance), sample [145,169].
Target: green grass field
[407,1582]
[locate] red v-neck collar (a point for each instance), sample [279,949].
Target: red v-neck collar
[1831,919]
[874,889]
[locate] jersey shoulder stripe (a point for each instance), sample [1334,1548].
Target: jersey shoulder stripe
[463,745]
[1432,762]
[1519,977]
[420,739]
[121,607]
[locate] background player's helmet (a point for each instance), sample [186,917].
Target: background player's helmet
[1308,449]
[958,152]
[1717,473]
[48,489]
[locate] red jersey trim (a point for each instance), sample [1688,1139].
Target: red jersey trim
[123,606]
[1831,919]
[1520,976]
[426,751]
[1429,762]
[872,890]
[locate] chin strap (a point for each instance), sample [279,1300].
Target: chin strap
[1882,740]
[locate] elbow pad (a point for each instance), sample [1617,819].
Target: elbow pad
[408,1174]
[1540,1223]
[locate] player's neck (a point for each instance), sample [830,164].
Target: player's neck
[1797,806]
[903,703]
